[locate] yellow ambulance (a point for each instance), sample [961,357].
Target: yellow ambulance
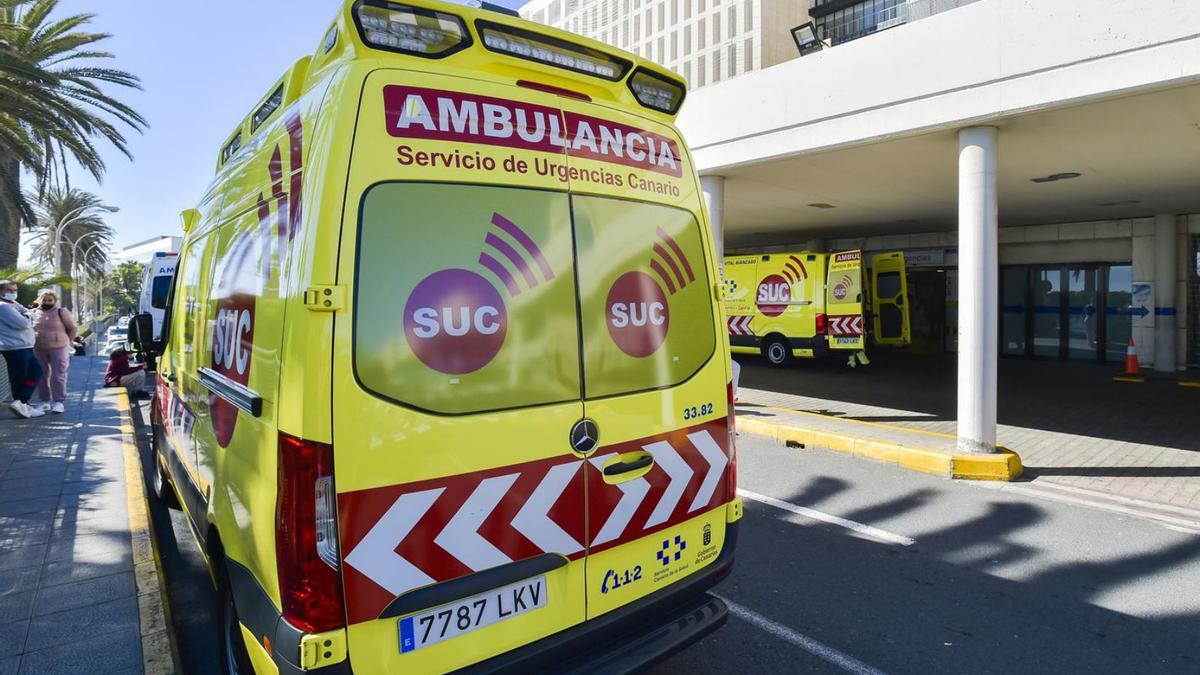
[444,382]
[810,304]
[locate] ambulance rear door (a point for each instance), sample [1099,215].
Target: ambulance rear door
[889,298]
[655,366]
[461,504]
[844,301]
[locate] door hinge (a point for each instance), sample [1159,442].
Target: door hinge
[322,649]
[324,298]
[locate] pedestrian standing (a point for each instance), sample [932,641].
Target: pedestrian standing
[16,346]
[54,329]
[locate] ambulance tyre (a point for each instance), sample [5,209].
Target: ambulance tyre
[234,658]
[776,351]
[163,492]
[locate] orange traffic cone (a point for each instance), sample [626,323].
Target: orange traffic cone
[1133,371]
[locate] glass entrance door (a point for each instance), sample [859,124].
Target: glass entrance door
[1076,312]
[1047,312]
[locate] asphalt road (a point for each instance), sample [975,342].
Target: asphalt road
[920,575]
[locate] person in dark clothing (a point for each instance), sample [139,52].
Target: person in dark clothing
[121,373]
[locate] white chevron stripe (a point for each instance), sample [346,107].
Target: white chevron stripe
[715,456]
[532,520]
[679,472]
[460,537]
[632,494]
[375,556]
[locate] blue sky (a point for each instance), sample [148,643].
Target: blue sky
[202,64]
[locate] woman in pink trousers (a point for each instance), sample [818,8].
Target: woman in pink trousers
[54,328]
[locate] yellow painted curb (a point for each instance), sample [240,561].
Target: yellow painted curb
[160,654]
[1004,465]
[1189,383]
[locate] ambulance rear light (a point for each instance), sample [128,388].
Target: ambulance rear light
[657,92]
[410,30]
[531,46]
[306,537]
[822,324]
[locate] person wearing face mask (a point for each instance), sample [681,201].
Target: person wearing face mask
[55,329]
[16,346]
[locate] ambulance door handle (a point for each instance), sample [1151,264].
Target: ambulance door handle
[625,467]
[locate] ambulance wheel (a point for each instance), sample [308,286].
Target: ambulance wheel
[777,352]
[234,659]
[163,492]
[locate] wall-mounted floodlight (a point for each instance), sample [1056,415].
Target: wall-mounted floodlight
[806,38]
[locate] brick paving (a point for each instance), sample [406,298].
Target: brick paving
[68,597]
[1071,424]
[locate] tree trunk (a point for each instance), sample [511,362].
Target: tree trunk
[10,221]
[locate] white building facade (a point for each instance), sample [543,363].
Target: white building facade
[704,41]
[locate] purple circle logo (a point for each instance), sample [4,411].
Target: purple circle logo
[638,315]
[455,321]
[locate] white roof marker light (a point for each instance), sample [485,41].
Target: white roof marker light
[411,30]
[656,92]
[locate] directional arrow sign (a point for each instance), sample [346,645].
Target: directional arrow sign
[679,472]
[715,456]
[376,557]
[460,537]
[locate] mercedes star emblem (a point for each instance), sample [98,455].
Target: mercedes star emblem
[585,436]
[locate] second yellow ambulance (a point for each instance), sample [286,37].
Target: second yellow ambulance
[810,304]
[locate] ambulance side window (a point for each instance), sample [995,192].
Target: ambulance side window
[465,297]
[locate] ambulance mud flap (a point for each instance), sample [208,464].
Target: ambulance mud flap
[258,614]
[632,636]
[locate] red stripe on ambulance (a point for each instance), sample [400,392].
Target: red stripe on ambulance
[404,537]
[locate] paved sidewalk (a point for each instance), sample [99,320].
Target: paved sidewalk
[69,595]
[1126,440]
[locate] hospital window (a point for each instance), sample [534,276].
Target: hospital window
[700,34]
[674,45]
[748,55]
[716,24]
[748,15]
[687,40]
[716,67]
[555,13]
[700,71]
[733,61]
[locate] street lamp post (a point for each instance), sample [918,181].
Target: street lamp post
[86,253]
[71,217]
[75,248]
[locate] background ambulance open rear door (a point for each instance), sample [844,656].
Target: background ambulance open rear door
[843,301]
[889,297]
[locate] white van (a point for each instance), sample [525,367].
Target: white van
[156,286]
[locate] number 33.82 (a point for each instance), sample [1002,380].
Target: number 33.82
[695,412]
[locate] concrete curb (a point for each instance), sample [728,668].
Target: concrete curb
[1002,466]
[160,654]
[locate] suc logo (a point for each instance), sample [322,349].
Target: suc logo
[455,320]
[774,294]
[637,314]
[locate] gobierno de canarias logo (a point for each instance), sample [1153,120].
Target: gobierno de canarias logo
[456,319]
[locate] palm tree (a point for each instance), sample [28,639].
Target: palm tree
[52,106]
[75,219]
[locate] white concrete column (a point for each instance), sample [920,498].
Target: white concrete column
[978,289]
[714,199]
[1164,292]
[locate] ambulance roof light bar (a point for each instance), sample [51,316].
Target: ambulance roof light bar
[532,46]
[410,30]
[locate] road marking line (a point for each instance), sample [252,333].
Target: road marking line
[866,530]
[817,649]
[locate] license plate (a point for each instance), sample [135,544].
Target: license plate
[470,614]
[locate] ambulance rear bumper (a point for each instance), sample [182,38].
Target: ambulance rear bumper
[634,636]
